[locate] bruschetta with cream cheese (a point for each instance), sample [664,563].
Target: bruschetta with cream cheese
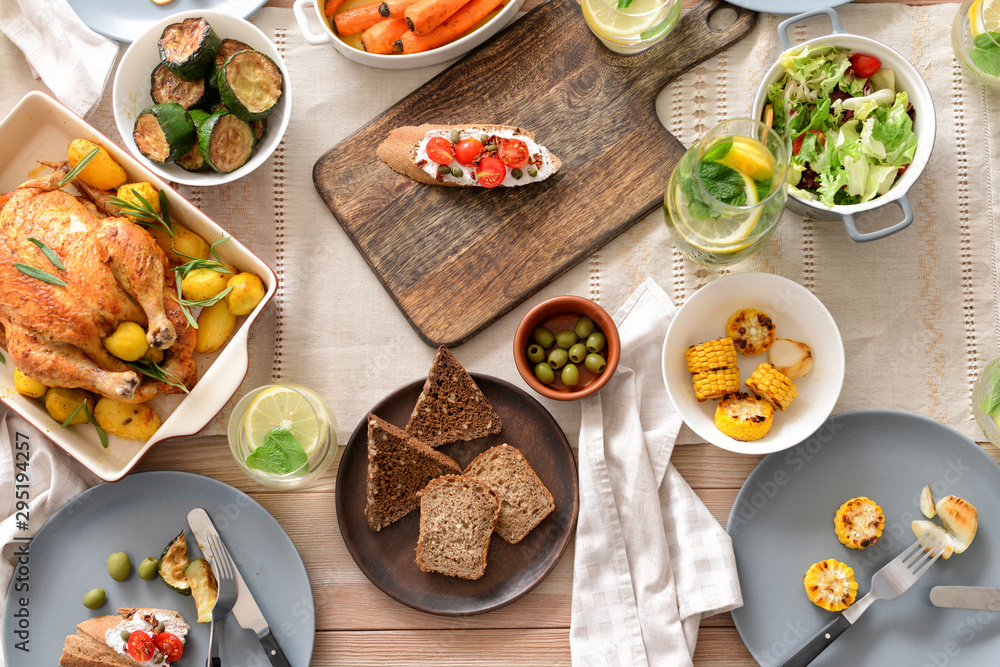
[477,155]
[133,637]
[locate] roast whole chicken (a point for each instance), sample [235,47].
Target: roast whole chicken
[114,272]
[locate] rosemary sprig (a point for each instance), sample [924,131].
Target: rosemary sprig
[100,431]
[48,252]
[151,369]
[197,263]
[80,166]
[144,212]
[39,274]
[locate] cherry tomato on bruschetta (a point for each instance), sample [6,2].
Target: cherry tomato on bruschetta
[467,151]
[140,646]
[490,172]
[514,153]
[864,65]
[797,144]
[170,646]
[439,149]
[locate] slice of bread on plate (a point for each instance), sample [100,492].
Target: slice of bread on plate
[399,466]
[98,641]
[457,518]
[524,500]
[451,406]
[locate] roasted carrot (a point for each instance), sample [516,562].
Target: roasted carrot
[459,22]
[359,19]
[379,37]
[393,9]
[425,15]
[332,6]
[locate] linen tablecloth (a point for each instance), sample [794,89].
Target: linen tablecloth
[918,311]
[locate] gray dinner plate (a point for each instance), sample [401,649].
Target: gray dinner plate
[140,515]
[782,522]
[125,20]
[784,6]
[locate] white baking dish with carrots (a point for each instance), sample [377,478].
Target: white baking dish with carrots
[403,34]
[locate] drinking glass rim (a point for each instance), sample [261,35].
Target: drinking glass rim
[613,6]
[241,448]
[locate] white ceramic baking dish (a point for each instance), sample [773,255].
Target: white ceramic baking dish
[40,128]
[907,79]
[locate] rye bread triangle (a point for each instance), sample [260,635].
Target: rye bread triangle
[451,406]
[84,651]
[399,467]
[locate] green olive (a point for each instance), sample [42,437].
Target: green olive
[584,327]
[578,353]
[532,172]
[483,139]
[544,373]
[457,172]
[455,136]
[595,363]
[149,568]
[490,148]
[558,358]
[566,339]
[444,169]
[595,342]
[536,354]
[570,375]
[125,634]
[516,173]
[94,598]
[158,658]
[160,627]
[543,337]
[119,566]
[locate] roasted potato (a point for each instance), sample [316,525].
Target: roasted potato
[134,422]
[215,323]
[183,247]
[128,342]
[153,354]
[147,191]
[60,404]
[102,172]
[247,292]
[27,386]
[202,284]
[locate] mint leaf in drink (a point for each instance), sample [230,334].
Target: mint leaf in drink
[985,53]
[280,454]
[724,183]
[717,152]
[989,403]
[623,4]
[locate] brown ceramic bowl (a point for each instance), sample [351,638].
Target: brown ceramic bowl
[563,311]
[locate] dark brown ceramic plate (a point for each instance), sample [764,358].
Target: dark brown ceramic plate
[387,557]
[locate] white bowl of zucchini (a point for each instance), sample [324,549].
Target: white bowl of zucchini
[202,98]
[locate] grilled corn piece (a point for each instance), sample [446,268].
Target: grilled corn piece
[751,330]
[714,368]
[773,386]
[743,417]
[830,584]
[859,523]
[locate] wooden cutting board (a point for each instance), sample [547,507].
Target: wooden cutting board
[456,259]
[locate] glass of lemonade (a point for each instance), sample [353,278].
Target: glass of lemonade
[633,28]
[283,435]
[727,192]
[975,37]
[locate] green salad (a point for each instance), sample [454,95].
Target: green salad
[851,130]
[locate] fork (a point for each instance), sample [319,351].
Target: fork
[887,584]
[225,576]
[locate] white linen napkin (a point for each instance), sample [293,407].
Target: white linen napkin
[73,60]
[651,560]
[36,479]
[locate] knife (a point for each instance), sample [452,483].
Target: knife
[245,610]
[983,598]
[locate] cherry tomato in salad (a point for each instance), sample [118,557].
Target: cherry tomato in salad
[140,646]
[467,151]
[170,646]
[514,153]
[797,144]
[439,149]
[491,172]
[864,65]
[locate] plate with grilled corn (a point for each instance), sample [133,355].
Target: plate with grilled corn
[754,363]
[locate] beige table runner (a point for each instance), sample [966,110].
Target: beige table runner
[917,311]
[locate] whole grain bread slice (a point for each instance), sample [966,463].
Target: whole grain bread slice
[85,651]
[457,518]
[524,500]
[399,466]
[451,406]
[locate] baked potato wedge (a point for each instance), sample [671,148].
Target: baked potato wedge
[133,422]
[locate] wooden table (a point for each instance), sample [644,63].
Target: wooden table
[357,624]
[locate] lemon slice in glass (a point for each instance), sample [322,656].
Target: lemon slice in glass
[984,16]
[604,16]
[714,234]
[283,407]
[750,159]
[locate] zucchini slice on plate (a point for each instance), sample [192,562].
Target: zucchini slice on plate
[226,49]
[250,85]
[188,48]
[225,142]
[165,86]
[192,160]
[173,562]
[163,132]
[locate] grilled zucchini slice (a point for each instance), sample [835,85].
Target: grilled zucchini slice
[226,49]
[250,84]
[188,48]
[173,562]
[165,86]
[225,142]
[192,160]
[164,132]
[259,127]
[204,588]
